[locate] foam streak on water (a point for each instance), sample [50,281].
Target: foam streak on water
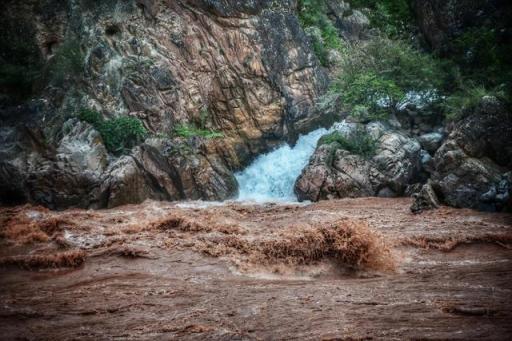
[271,176]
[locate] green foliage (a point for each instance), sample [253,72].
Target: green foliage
[377,76]
[91,116]
[375,93]
[393,18]
[324,36]
[482,57]
[119,134]
[187,131]
[464,101]
[358,142]
[67,63]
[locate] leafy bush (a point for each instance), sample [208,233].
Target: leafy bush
[392,17]
[358,142]
[91,116]
[187,130]
[324,36]
[482,57]
[379,75]
[119,134]
[463,102]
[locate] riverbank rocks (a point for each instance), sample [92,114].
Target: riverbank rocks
[334,172]
[431,141]
[472,168]
[425,199]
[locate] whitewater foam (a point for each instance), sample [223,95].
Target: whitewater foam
[271,176]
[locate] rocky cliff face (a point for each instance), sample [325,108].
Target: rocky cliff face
[242,69]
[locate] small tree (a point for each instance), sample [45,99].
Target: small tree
[379,75]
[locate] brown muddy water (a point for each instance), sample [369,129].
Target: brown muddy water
[338,270]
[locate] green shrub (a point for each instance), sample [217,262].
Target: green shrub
[324,36]
[378,75]
[358,142]
[463,102]
[91,116]
[482,57]
[393,18]
[119,134]
[187,130]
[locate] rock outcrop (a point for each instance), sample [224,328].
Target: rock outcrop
[245,70]
[334,172]
[472,168]
[425,199]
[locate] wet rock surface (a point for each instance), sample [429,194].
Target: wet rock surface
[244,70]
[334,172]
[205,271]
[472,168]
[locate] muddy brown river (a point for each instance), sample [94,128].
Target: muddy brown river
[355,269]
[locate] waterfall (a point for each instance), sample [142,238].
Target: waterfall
[271,176]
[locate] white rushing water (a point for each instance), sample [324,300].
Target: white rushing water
[271,176]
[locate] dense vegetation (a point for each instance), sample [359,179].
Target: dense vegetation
[357,142]
[393,18]
[119,134]
[379,76]
[324,36]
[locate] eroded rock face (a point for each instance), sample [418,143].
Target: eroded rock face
[472,168]
[242,69]
[333,172]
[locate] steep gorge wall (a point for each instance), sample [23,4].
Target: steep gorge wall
[244,69]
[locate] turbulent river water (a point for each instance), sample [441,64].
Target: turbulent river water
[241,271]
[271,176]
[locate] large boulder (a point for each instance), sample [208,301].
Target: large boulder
[334,172]
[67,175]
[167,170]
[472,168]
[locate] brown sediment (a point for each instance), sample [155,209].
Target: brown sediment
[176,222]
[449,243]
[123,251]
[16,226]
[66,259]
[246,271]
[350,243]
